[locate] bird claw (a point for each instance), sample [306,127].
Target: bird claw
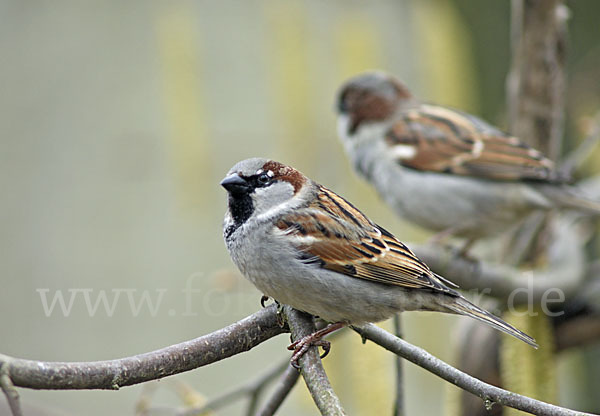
[302,345]
[279,314]
[263,299]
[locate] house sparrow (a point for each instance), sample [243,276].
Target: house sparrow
[444,169]
[307,247]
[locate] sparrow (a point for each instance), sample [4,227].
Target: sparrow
[305,246]
[443,169]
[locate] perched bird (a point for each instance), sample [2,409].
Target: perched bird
[443,169]
[307,247]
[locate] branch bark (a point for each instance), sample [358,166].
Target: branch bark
[236,338]
[252,390]
[284,387]
[490,394]
[113,374]
[12,395]
[536,81]
[301,325]
[399,400]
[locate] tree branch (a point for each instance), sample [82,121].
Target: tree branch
[301,325]
[252,389]
[113,374]
[399,400]
[581,152]
[536,81]
[284,387]
[12,396]
[490,394]
[239,337]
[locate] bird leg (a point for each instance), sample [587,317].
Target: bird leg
[464,250]
[303,344]
[442,237]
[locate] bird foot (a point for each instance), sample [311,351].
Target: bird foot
[303,344]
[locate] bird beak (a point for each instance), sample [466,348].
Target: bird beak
[235,184]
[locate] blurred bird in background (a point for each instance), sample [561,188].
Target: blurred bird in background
[443,169]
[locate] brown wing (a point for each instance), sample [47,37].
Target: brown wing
[333,233]
[444,140]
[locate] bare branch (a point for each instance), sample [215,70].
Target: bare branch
[242,336]
[581,152]
[252,389]
[536,81]
[233,339]
[399,401]
[301,325]
[284,387]
[490,394]
[12,396]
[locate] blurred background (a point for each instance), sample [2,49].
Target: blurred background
[119,119]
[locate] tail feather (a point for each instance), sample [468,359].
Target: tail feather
[569,197]
[462,306]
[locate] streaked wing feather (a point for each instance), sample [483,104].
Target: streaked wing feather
[332,232]
[449,141]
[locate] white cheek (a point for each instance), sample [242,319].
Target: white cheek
[273,200]
[366,132]
[343,124]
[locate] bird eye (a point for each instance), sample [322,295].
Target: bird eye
[263,178]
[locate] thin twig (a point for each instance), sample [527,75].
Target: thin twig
[301,325]
[113,374]
[490,394]
[284,387]
[12,395]
[144,402]
[581,152]
[262,383]
[399,402]
[252,389]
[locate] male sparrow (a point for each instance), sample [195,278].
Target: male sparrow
[307,247]
[441,168]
